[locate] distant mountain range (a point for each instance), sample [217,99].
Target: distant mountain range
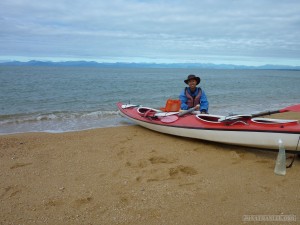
[145,65]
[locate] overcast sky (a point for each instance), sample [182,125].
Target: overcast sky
[244,32]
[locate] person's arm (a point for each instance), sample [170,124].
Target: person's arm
[183,100]
[203,103]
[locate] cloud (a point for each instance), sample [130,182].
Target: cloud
[151,30]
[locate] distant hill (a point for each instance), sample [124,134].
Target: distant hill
[146,65]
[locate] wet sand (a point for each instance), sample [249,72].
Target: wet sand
[131,175]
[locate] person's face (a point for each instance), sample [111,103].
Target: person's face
[192,83]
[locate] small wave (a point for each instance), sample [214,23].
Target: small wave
[58,122]
[99,114]
[55,116]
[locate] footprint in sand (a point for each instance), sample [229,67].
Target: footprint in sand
[138,164]
[265,189]
[10,191]
[17,165]
[157,159]
[53,203]
[82,201]
[124,201]
[182,170]
[173,173]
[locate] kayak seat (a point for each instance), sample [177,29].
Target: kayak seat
[149,113]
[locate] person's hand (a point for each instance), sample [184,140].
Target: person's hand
[197,107]
[203,111]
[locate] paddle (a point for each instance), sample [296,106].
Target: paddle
[173,118]
[163,114]
[292,108]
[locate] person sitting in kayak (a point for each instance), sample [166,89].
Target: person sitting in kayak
[192,96]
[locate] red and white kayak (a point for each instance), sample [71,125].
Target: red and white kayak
[237,130]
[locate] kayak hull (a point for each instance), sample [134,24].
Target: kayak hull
[259,135]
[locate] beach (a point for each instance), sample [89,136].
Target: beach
[131,175]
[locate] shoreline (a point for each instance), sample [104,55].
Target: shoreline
[67,131]
[120,121]
[132,175]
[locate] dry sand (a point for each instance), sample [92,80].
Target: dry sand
[131,175]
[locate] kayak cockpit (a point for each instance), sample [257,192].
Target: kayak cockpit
[274,121]
[143,110]
[209,118]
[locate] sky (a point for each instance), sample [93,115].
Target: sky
[240,32]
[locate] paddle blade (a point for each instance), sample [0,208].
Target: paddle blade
[292,108]
[169,119]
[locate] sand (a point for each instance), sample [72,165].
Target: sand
[131,175]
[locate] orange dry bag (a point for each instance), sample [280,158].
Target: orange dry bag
[172,105]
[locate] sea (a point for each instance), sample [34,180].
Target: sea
[61,99]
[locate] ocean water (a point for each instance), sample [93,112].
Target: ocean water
[59,99]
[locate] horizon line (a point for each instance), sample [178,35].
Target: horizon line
[199,64]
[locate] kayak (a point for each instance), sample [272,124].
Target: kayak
[243,130]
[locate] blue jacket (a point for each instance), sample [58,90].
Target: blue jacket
[203,99]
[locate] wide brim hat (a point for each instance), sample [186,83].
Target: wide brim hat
[191,77]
